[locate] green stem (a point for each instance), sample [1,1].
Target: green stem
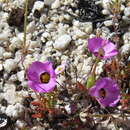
[94,67]
[25,23]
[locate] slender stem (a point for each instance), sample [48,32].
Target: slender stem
[25,23]
[94,66]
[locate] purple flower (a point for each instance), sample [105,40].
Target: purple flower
[106,91]
[102,48]
[60,69]
[41,76]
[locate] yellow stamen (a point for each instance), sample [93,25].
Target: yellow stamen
[45,77]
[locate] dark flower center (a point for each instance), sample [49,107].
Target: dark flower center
[101,52]
[45,77]
[102,93]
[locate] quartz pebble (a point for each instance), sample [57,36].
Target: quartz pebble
[62,42]
[38,5]
[127,11]
[10,90]
[20,124]
[108,23]
[48,2]
[15,43]
[56,4]
[21,75]
[126,38]
[14,110]
[2,50]
[1,66]
[10,65]
[7,55]
[125,49]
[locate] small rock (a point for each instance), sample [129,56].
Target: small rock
[7,55]
[1,67]
[13,78]
[62,42]
[127,11]
[105,12]
[20,75]
[126,38]
[79,33]
[38,5]
[56,4]
[108,23]
[31,26]
[5,35]
[4,121]
[99,68]
[10,65]
[20,124]
[34,44]
[15,110]
[125,49]
[15,43]
[106,4]
[88,27]
[10,90]
[48,2]
[28,60]
[2,50]
[45,35]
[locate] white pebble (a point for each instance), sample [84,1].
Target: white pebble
[68,109]
[38,5]
[105,11]
[14,110]
[48,2]
[15,43]
[31,26]
[45,35]
[108,23]
[127,11]
[62,42]
[2,50]
[7,55]
[125,49]
[20,124]
[106,4]
[13,78]
[20,75]
[126,37]
[79,33]
[1,66]
[9,65]
[56,4]
[34,44]
[88,27]
[11,95]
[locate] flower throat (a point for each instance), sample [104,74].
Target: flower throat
[45,77]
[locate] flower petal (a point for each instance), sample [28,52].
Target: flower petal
[94,44]
[34,72]
[112,91]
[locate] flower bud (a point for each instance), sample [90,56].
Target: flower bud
[90,81]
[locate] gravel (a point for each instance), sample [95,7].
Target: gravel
[53,30]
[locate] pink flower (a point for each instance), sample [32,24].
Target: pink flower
[104,49]
[41,76]
[60,69]
[106,91]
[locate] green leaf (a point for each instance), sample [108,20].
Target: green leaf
[90,81]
